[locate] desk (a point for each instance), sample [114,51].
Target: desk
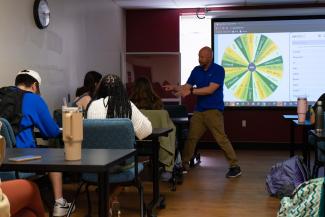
[180,121]
[93,160]
[305,127]
[150,146]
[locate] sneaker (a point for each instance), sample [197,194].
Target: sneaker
[61,209]
[115,209]
[186,167]
[166,176]
[233,172]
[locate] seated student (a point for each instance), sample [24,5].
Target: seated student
[312,114]
[111,101]
[20,198]
[86,92]
[144,97]
[35,113]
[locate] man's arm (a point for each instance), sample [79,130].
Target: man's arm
[186,90]
[178,89]
[172,87]
[43,119]
[206,90]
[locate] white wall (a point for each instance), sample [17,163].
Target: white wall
[83,35]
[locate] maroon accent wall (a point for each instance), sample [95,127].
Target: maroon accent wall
[152,31]
[262,125]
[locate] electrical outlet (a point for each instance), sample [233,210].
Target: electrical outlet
[243,123]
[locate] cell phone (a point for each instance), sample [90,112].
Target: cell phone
[25,158]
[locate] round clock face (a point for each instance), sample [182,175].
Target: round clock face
[41,13]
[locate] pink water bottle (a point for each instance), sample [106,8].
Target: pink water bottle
[302,109]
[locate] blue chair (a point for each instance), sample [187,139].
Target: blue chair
[115,133]
[7,132]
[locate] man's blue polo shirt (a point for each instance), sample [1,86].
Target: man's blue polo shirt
[202,78]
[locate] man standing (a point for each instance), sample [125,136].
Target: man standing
[35,113]
[208,79]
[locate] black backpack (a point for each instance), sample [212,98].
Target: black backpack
[11,99]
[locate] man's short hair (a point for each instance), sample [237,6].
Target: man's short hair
[26,80]
[32,74]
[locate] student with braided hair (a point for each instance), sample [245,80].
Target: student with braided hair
[111,101]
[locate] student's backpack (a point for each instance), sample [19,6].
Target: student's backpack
[11,99]
[285,176]
[308,199]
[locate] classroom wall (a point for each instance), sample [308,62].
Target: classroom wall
[83,35]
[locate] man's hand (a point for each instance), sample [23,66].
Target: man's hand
[170,87]
[183,92]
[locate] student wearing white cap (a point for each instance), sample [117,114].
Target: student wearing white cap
[35,113]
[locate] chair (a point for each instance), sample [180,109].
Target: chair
[42,180]
[319,147]
[179,111]
[115,133]
[320,159]
[161,119]
[7,132]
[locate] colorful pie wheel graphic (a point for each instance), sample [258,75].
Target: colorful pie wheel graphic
[253,67]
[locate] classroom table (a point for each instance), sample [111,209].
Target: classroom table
[93,161]
[306,126]
[150,147]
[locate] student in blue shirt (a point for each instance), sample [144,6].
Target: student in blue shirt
[208,79]
[36,114]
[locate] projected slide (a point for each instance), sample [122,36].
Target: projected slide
[253,67]
[270,61]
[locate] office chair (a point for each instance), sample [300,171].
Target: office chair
[114,133]
[319,155]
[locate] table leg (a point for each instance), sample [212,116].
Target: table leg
[156,170]
[292,139]
[157,200]
[103,194]
[306,151]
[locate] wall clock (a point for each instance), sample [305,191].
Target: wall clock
[41,12]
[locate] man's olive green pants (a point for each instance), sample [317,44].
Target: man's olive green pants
[208,120]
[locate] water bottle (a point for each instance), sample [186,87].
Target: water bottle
[319,122]
[302,109]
